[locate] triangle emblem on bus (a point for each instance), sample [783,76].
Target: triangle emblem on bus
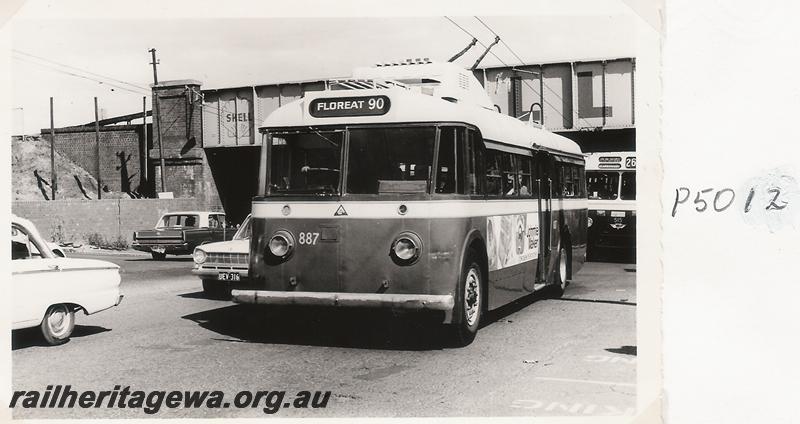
[340,211]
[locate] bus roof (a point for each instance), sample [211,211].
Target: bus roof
[418,100]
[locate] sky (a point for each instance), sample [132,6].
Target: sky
[60,49]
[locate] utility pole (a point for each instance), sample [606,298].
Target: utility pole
[53,180]
[157,131]
[157,116]
[144,131]
[97,149]
[154,63]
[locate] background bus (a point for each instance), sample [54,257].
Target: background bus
[611,187]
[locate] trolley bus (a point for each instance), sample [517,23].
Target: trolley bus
[404,188]
[611,183]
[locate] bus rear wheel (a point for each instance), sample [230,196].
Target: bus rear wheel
[470,299]
[560,283]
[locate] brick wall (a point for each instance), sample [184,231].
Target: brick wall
[179,121]
[111,218]
[121,162]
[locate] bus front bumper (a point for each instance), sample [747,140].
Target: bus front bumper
[373,300]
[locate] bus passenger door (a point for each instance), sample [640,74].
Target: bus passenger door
[545,176]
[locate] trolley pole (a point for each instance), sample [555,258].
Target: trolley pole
[97,147]
[53,180]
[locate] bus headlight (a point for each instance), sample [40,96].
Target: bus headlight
[590,221]
[199,256]
[406,248]
[281,244]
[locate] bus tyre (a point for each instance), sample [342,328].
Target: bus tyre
[470,299]
[158,256]
[560,283]
[58,323]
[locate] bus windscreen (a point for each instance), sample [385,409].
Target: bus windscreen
[305,163]
[602,185]
[390,160]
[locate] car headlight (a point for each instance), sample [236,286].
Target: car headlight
[590,221]
[281,244]
[406,248]
[199,256]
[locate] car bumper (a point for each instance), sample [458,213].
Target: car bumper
[214,272]
[175,249]
[383,300]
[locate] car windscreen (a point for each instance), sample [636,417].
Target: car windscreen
[602,185]
[245,230]
[26,246]
[179,221]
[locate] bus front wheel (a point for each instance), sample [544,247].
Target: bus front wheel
[470,299]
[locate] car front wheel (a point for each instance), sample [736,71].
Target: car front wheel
[58,323]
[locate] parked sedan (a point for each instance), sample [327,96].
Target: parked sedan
[220,264]
[178,233]
[47,289]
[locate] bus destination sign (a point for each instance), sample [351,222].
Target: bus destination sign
[349,106]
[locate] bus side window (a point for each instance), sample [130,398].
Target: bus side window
[450,173]
[567,180]
[446,168]
[582,181]
[524,176]
[509,175]
[493,176]
[474,158]
[558,180]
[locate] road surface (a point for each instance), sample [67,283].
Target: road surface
[572,356]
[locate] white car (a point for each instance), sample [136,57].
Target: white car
[219,264]
[47,289]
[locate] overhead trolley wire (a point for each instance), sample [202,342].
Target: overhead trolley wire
[522,62]
[52,68]
[95,77]
[501,40]
[81,70]
[504,62]
[479,41]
